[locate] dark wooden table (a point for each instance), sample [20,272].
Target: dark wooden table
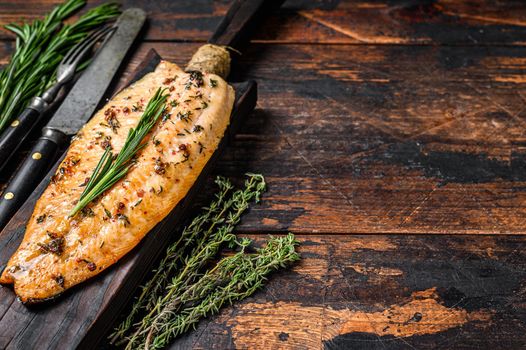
[392,137]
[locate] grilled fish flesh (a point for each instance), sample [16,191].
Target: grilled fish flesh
[59,251]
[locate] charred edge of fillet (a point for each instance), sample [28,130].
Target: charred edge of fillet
[210,59]
[37,301]
[30,301]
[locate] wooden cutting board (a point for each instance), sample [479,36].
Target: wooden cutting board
[81,316]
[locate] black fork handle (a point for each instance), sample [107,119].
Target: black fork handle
[15,134]
[31,172]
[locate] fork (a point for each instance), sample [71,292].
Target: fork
[17,132]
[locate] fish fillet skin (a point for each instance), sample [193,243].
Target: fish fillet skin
[59,251]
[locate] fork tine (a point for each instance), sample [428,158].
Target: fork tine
[79,46]
[88,45]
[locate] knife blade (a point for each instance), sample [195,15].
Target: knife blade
[73,113]
[91,86]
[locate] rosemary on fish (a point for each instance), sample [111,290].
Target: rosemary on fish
[40,46]
[180,292]
[110,168]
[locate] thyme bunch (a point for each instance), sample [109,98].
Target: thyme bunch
[234,278]
[40,46]
[211,237]
[185,288]
[111,169]
[175,255]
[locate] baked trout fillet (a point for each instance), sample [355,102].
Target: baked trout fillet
[59,251]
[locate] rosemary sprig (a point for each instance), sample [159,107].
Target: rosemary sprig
[193,292]
[111,169]
[40,47]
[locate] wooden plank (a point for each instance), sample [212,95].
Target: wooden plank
[364,138]
[378,292]
[81,316]
[346,22]
[382,139]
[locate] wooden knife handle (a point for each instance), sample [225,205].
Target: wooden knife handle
[240,21]
[15,134]
[31,172]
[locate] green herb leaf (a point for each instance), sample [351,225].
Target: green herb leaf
[40,46]
[110,168]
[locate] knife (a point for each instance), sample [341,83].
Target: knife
[14,135]
[75,111]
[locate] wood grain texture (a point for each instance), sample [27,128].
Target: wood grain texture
[383,292]
[382,139]
[327,21]
[392,119]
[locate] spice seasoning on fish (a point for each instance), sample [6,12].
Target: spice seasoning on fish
[195,79]
[137,107]
[160,167]
[40,219]
[184,116]
[54,246]
[124,219]
[92,266]
[111,118]
[60,280]
[107,212]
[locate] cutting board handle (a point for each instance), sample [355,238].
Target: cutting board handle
[240,20]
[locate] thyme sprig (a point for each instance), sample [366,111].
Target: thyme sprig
[185,288]
[110,168]
[40,46]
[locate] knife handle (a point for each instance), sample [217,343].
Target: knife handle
[16,133]
[240,20]
[31,172]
